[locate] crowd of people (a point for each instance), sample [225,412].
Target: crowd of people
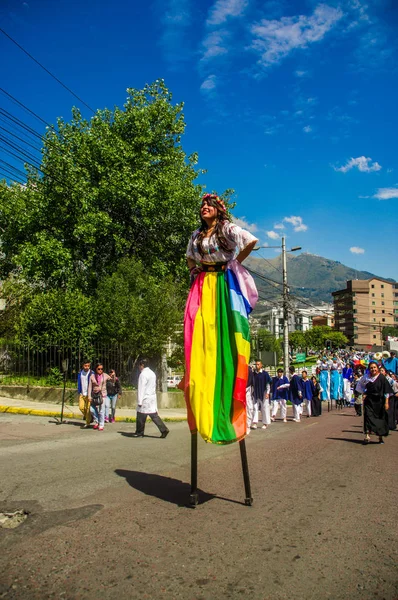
[99,392]
[98,395]
[365,381]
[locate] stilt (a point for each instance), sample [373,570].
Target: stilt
[194,497]
[245,470]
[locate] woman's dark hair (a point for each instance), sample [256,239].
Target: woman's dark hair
[373,362]
[222,217]
[143,362]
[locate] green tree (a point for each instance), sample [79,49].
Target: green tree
[337,339]
[316,337]
[297,340]
[269,342]
[117,185]
[58,316]
[136,308]
[390,330]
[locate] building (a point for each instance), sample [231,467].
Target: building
[327,318]
[363,308]
[300,319]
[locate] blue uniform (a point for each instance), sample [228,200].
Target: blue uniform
[261,380]
[296,390]
[282,394]
[308,389]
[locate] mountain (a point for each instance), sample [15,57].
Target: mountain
[309,276]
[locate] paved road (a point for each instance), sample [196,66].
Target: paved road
[107,516]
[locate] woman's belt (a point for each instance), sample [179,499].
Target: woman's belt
[213,267]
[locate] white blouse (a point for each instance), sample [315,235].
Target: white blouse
[236,237]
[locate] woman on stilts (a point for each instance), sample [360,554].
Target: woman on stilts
[376,390]
[216,325]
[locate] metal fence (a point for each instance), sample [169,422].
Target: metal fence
[28,364]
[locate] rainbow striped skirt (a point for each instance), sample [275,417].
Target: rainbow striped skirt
[217,352]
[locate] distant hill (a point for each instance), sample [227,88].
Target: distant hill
[309,276]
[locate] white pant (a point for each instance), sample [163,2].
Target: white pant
[249,407]
[275,407]
[264,406]
[347,390]
[297,411]
[308,406]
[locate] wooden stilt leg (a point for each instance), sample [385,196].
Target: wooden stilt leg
[245,470]
[194,497]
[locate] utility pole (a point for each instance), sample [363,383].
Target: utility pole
[285,310]
[285,295]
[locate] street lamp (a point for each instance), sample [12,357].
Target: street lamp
[285,300]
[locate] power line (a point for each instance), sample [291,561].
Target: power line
[263,276]
[270,263]
[19,138]
[8,174]
[10,166]
[22,105]
[46,70]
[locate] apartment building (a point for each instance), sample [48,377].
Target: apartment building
[300,319]
[363,308]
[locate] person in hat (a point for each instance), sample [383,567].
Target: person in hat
[391,362]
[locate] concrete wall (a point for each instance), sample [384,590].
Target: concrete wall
[46,394]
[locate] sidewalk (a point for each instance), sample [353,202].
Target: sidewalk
[43,409]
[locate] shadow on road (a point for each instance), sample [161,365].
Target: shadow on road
[131,435]
[164,488]
[346,439]
[351,431]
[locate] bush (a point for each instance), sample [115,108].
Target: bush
[54,377]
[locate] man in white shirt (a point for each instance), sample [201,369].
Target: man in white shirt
[147,401]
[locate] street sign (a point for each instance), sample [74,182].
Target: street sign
[301,357]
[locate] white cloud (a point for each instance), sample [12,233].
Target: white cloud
[386,193]
[297,223]
[279,226]
[300,73]
[275,39]
[357,250]
[307,129]
[223,9]
[273,235]
[209,84]
[362,163]
[241,221]
[214,44]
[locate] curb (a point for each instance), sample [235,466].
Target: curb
[68,415]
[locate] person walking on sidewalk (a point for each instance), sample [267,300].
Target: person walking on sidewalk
[147,402]
[83,380]
[98,395]
[114,390]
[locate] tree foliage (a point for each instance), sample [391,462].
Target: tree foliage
[94,246]
[138,309]
[115,186]
[390,330]
[317,338]
[268,342]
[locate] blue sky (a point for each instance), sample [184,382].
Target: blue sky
[291,103]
